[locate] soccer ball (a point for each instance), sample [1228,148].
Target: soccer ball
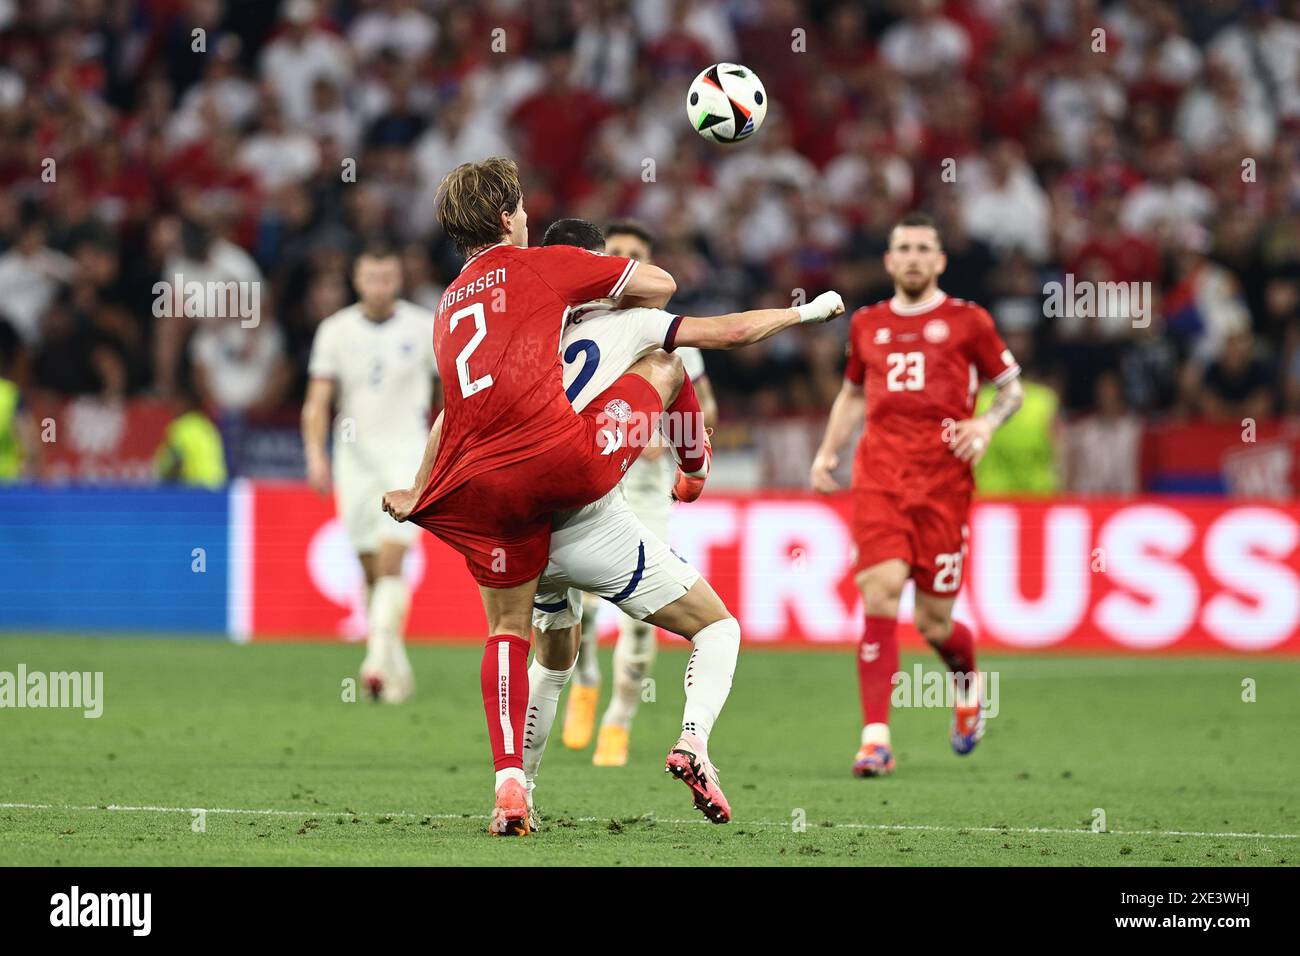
[726,103]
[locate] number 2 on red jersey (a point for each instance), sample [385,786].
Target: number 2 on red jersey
[469,386]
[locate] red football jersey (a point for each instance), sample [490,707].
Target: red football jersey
[921,366]
[496,334]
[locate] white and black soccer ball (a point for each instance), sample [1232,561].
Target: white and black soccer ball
[726,103]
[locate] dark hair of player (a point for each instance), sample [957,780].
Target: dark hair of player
[630,227]
[919,219]
[575,232]
[471,199]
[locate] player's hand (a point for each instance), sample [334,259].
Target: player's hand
[821,309]
[820,477]
[401,503]
[970,439]
[318,474]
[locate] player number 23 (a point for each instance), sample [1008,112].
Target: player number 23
[947,575]
[906,371]
[470,386]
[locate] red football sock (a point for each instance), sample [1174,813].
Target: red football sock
[686,428]
[504,678]
[877,665]
[958,652]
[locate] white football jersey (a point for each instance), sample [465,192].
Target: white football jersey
[383,374]
[599,344]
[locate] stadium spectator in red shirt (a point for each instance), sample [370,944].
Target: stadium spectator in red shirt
[557,124]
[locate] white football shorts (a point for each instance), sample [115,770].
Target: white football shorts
[606,551]
[359,497]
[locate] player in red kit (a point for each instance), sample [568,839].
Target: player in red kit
[512,450]
[915,363]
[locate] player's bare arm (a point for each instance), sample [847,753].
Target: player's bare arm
[970,438]
[401,501]
[315,431]
[736,329]
[648,287]
[846,412]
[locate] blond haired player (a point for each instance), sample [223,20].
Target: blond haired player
[510,450]
[373,360]
[602,548]
[647,488]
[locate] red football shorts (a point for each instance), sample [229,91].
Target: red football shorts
[929,533]
[501,520]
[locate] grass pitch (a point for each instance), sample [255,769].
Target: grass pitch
[285,771]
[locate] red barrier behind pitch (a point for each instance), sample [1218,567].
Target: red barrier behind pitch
[1172,575]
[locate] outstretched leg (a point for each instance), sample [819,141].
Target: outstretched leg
[700,616]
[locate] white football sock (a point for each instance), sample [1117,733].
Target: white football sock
[544,688]
[634,656]
[588,666]
[387,618]
[875,734]
[510,773]
[708,675]
[374,647]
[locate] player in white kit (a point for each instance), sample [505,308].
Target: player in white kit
[604,549]
[647,487]
[374,361]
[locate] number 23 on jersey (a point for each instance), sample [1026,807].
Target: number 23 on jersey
[906,371]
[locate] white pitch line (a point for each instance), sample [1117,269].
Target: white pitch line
[1041,669]
[250,812]
[935,828]
[955,829]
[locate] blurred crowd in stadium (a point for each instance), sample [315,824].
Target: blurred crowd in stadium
[1132,141]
